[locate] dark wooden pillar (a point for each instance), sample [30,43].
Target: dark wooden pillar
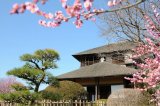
[97,89]
[96,93]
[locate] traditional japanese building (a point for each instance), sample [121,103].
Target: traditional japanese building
[103,69]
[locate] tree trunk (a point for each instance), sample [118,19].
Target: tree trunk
[36,88]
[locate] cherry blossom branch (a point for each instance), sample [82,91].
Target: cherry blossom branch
[122,8]
[77,11]
[98,12]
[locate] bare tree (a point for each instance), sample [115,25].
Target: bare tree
[127,24]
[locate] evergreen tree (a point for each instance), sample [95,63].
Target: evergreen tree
[35,69]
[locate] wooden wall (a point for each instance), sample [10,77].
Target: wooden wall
[100,81]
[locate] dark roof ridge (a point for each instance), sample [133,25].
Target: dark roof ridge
[117,46]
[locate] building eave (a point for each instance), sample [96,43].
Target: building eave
[103,69]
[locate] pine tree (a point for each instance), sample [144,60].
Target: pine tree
[34,70]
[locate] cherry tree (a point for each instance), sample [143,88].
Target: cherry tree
[6,84]
[147,78]
[80,10]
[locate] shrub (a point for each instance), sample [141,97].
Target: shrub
[129,97]
[68,90]
[51,96]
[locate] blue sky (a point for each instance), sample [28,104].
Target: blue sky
[20,34]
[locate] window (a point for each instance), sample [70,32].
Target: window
[88,60]
[117,58]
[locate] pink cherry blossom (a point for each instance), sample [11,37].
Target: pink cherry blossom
[110,3]
[15,6]
[78,23]
[14,9]
[64,3]
[88,4]
[114,2]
